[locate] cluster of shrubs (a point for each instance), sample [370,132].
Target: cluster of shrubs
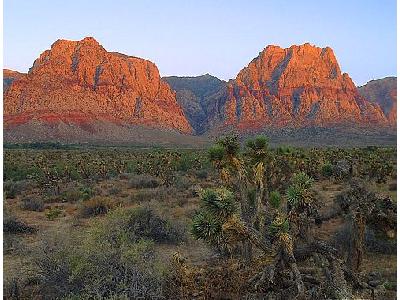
[113,259]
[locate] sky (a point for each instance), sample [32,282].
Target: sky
[189,38]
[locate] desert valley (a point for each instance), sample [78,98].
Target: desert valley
[122,184]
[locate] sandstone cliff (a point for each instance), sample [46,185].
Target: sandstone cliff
[81,77]
[297,87]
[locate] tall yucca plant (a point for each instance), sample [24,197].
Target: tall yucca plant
[216,207]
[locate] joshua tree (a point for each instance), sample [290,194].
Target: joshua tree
[243,212]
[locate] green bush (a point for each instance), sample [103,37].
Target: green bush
[86,192]
[202,174]
[71,195]
[327,170]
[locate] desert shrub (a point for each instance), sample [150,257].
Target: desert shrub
[33,204]
[201,174]
[53,213]
[87,193]
[114,190]
[15,188]
[96,206]
[147,195]
[71,195]
[186,162]
[12,243]
[393,186]
[108,262]
[19,172]
[144,223]
[327,170]
[144,181]
[275,199]
[144,196]
[12,225]
[13,288]
[377,243]
[181,182]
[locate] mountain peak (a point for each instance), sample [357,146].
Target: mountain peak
[82,76]
[297,86]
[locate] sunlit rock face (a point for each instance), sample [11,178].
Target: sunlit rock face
[297,86]
[78,78]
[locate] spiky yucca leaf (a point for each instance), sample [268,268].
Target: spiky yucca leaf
[216,153]
[218,202]
[206,227]
[294,194]
[230,144]
[302,180]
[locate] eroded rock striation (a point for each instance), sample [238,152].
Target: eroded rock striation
[81,77]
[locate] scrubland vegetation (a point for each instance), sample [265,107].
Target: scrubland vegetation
[232,222]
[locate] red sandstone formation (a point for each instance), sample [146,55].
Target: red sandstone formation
[298,86]
[77,78]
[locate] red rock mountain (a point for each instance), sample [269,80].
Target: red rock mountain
[384,93]
[298,86]
[79,81]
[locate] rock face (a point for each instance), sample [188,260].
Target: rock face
[196,95]
[296,87]
[82,77]
[384,93]
[9,76]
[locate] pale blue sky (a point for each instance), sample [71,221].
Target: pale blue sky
[218,37]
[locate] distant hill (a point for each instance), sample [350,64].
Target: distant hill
[196,95]
[384,93]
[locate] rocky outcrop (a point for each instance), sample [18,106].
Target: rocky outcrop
[81,76]
[197,96]
[384,93]
[296,87]
[9,76]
